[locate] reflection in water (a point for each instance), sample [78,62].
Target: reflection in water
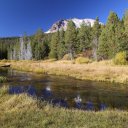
[103,106]
[16,90]
[30,90]
[47,93]
[89,106]
[78,101]
[48,96]
[67,92]
[60,103]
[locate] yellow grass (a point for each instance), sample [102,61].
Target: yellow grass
[21,111]
[97,71]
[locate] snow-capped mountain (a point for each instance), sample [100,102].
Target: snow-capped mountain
[63,24]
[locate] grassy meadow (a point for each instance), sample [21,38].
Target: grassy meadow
[22,111]
[96,71]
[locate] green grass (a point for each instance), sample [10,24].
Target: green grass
[3,79]
[21,111]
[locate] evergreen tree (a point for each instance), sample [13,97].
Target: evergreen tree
[70,38]
[61,46]
[84,37]
[126,21]
[54,45]
[103,46]
[38,37]
[109,40]
[43,50]
[96,31]
[37,43]
[124,36]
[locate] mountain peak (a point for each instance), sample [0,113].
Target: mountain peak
[62,24]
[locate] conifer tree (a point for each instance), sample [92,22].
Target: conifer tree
[70,38]
[96,31]
[109,40]
[124,36]
[103,46]
[61,46]
[38,45]
[39,35]
[84,37]
[126,21]
[54,46]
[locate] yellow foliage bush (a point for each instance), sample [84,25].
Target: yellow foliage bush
[120,58]
[82,60]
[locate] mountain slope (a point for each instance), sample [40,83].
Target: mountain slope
[63,24]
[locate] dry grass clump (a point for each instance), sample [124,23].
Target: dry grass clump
[82,60]
[50,60]
[21,111]
[3,90]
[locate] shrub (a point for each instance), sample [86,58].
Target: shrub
[66,57]
[82,60]
[121,58]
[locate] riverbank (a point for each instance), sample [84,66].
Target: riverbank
[18,111]
[96,71]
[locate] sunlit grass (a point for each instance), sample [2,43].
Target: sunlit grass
[22,111]
[96,71]
[82,60]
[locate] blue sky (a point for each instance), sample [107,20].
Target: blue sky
[19,16]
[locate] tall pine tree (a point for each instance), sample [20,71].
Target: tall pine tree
[39,45]
[109,40]
[61,46]
[84,38]
[96,31]
[124,36]
[70,38]
[54,45]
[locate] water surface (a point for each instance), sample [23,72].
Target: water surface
[68,92]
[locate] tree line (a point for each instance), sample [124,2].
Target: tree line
[103,41]
[98,42]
